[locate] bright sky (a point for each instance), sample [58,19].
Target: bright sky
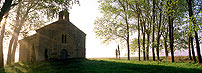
[83,17]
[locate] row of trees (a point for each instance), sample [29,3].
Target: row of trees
[172,24]
[25,16]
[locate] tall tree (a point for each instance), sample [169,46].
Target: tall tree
[148,38]
[193,22]
[158,33]
[137,10]
[114,24]
[4,10]
[19,24]
[125,9]
[165,34]
[138,26]
[170,23]
[153,36]
[2,36]
[143,34]
[147,24]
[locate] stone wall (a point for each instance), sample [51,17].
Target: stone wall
[50,38]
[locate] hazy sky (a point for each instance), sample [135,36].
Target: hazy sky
[83,17]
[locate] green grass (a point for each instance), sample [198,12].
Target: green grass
[104,65]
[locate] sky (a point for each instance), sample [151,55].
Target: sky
[83,17]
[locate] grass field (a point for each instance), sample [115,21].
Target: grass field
[103,65]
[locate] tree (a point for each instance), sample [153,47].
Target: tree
[147,19]
[148,31]
[125,8]
[143,33]
[1,39]
[153,36]
[138,32]
[170,22]
[192,46]
[4,10]
[158,32]
[114,24]
[193,22]
[135,6]
[189,51]
[165,37]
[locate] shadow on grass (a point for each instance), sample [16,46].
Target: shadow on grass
[93,66]
[2,70]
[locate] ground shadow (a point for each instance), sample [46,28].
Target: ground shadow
[95,66]
[2,70]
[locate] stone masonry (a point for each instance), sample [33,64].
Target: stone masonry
[59,40]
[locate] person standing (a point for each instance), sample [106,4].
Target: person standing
[118,51]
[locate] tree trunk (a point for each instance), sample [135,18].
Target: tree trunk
[128,40]
[9,51]
[1,40]
[143,43]
[4,10]
[191,17]
[198,48]
[148,35]
[153,36]
[158,37]
[170,22]
[189,51]
[13,36]
[165,44]
[192,46]
[14,49]
[13,45]
[166,50]
[138,34]
[165,30]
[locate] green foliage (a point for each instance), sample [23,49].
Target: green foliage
[103,66]
[180,41]
[134,44]
[113,24]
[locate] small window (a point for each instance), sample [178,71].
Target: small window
[64,38]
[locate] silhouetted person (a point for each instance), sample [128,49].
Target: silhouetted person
[116,51]
[46,54]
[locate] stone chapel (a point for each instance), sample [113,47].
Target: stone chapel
[60,40]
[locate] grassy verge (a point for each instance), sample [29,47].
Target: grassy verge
[103,65]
